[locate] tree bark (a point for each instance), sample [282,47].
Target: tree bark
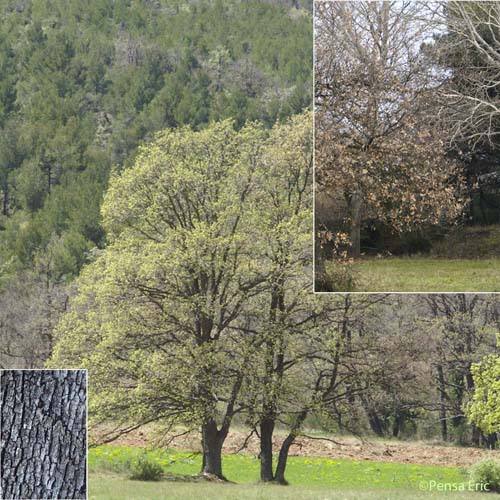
[490,440]
[44,436]
[475,435]
[399,418]
[376,423]
[282,460]
[319,261]
[274,369]
[212,438]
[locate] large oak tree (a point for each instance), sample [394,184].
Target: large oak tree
[161,317]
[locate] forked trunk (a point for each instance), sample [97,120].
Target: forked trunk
[279,475]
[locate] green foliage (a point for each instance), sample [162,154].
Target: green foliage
[201,224]
[144,469]
[484,409]
[198,227]
[487,472]
[469,242]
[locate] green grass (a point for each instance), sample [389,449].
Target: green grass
[311,478]
[301,471]
[421,274]
[116,488]
[465,260]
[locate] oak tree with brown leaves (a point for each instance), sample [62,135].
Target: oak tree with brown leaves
[379,150]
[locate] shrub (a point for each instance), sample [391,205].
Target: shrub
[145,469]
[338,276]
[487,472]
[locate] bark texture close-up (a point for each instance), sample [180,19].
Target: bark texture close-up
[43,434]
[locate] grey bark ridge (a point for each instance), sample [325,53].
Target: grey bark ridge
[43,428]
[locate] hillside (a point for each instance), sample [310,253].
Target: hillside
[82,85]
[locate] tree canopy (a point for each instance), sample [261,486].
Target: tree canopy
[484,409]
[81,86]
[196,230]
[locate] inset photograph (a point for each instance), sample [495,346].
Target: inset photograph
[44,434]
[407,142]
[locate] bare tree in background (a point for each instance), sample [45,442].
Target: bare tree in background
[472,45]
[31,304]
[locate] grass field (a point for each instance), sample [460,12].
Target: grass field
[421,274]
[116,488]
[309,477]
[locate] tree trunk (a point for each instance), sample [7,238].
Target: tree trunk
[282,459]
[44,437]
[476,435]
[399,418]
[212,442]
[355,204]
[442,407]
[319,263]
[376,423]
[279,476]
[274,369]
[490,440]
[5,204]
[212,438]
[266,449]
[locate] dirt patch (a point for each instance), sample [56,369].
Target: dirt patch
[380,451]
